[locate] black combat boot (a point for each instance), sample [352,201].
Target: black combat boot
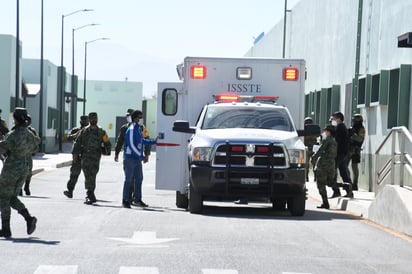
[31,221]
[27,188]
[348,188]
[68,193]
[91,198]
[325,202]
[5,228]
[336,193]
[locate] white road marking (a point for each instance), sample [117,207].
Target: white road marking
[138,270]
[219,271]
[53,269]
[145,238]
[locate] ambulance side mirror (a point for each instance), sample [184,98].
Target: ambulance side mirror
[183,126]
[310,130]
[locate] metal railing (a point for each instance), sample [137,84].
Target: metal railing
[398,157]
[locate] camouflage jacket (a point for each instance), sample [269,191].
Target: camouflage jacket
[324,158]
[92,142]
[19,144]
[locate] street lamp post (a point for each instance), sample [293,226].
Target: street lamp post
[73,95]
[85,69]
[61,88]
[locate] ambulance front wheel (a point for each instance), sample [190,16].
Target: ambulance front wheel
[181,200]
[195,201]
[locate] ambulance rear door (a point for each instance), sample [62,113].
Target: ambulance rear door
[171,147]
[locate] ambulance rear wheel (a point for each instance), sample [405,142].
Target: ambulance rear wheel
[195,201]
[181,200]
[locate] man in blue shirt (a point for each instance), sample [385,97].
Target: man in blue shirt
[132,162]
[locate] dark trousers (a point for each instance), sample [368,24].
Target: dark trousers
[341,162]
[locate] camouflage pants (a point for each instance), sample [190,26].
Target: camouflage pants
[324,178]
[90,168]
[75,170]
[12,179]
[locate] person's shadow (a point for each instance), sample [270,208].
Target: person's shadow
[31,240]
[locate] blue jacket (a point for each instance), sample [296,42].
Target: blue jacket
[134,145]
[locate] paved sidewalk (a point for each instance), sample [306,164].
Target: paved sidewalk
[43,162]
[357,206]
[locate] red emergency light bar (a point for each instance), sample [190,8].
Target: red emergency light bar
[290,74]
[243,98]
[198,72]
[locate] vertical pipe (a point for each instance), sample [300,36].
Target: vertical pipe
[41,81]
[284,28]
[61,91]
[393,154]
[84,79]
[355,88]
[17,91]
[402,157]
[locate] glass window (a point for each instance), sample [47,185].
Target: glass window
[244,117]
[169,102]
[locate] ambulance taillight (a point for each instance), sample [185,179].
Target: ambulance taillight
[198,72]
[290,74]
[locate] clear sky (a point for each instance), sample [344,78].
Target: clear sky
[147,38]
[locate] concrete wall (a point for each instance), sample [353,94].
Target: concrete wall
[324,32]
[7,75]
[110,99]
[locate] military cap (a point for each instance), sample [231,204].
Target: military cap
[93,115]
[330,128]
[308,120]
[84,118]
[339,115]
[129,111]
[358,116]
[20,111]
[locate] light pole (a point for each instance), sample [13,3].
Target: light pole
[284,28]
[61,89]
[18,83]
[85,69]
[73,95]
[41,81]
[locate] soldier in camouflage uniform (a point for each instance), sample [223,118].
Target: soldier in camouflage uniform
[3,131]
[356,135]
[28,178]
[309,141]
[324,163]
[89,146]
[19,144]
[76,167]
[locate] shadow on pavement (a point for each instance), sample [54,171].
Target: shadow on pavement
[33,240]
[251,212]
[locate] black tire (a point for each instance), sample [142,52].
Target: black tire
[195,201]
[297,205]
[279,203]
[181,200]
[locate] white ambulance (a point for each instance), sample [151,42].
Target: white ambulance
[229,131]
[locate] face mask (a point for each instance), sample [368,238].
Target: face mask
[334,123]
[129,118]
[140,122]
[324,135]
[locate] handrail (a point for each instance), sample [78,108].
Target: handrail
[401,158]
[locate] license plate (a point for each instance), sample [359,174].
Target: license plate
[249,181]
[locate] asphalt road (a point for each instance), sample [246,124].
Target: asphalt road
[226,239]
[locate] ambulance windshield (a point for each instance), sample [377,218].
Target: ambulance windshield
[244,117]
